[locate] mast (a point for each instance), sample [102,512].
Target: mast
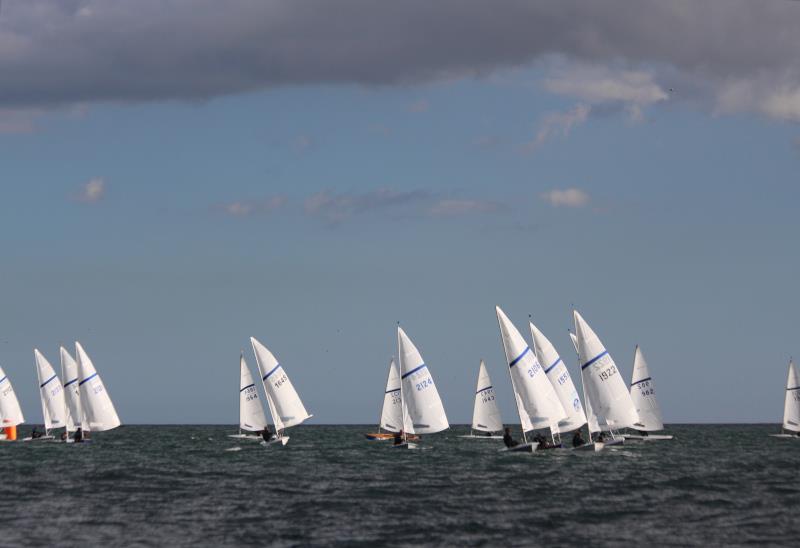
[41,396]
[513,386]
[402,398]
[241,358]
[64,389]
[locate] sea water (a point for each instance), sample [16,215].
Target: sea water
[182,486]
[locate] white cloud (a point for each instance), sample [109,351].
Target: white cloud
[783,104]
[777,101]
[557,124]
[93,190]
[568,197]
[335,208]
[253,207]
[603,85]
[450,208]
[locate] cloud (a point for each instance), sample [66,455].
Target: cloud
[419,106]
[603,85]
[457,207]
[253,207]
[336,208]
[92,191]
[557,124]
[568,197]
[19,120]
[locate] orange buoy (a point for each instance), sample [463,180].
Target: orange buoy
[11,433]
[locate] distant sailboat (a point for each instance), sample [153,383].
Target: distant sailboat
[605,390]
[485,414]
[72,392]
[10,412]
[556,371]
[529,381]
[791,405]
[391,419]
[423,412]
[284,404]
[52,396]
[98,412]
[643,393]
[251,413]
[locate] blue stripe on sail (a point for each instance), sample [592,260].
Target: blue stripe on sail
[4,378]
[555,363]
[48,380]
[795,388]
[390,391]
[590,362]
[637,382]
[87,379]
[271,372]
[482,389]
[66,384]
[414,370]
[246,387]
[518,358]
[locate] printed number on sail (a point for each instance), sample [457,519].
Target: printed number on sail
[608,372]
[422,385]
[534,369]
[280,381]
[563,378]
[646,389]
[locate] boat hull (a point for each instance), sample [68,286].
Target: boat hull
[405,445]
[651,437]
[521,448]
[785,436]
[473,437]
[253,437]
[283,440]
[386,436]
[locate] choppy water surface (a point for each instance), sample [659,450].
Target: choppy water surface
[177,485]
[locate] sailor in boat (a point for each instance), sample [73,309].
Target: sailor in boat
[601,437]
[398,437]
[577,439]
[267,434]
[543,444]
[80,436]
[35,434]
[508,440]
[64,436]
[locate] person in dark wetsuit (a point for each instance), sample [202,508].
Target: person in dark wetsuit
[577,439]
[508,440]
[266,433]
[398,437]
[35,434]
[78,437]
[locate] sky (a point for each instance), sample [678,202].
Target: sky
[178,176]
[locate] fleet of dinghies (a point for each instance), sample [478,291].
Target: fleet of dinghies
[80,405]
[547,401]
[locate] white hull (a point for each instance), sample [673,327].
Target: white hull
[405,445]
[590,447]
[474,437]
[521,448]
[41,438]
[651,437]
[253,437]
[795,436]
[610,441]
[283,440]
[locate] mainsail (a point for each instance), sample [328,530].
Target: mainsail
[643,393]
[98,410]
[251,413]
[425,412]
[486,413]
[285,405]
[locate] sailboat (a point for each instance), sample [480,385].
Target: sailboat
[72,392]
[52,395]
[591,419]
[10,412]
[791,406]
[605,390]
[643,393]
[485,414]
[391,419]
[97,411]
[530,383]
[284,404]
[422,409]
[251,413]
[557,373]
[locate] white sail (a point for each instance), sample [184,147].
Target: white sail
[608,395]
[525,420]
[420,397]
[98,410]
[251,413]
[72,392]
[10,412]
[285,405]
[791,406]
[591,418]
[485,414]
[556,371]
[643,393]
[51,392]
[539,398]
[392,412]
